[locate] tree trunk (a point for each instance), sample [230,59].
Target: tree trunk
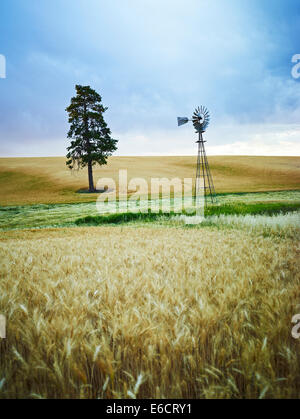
[91,182]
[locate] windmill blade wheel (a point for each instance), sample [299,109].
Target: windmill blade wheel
[201,118]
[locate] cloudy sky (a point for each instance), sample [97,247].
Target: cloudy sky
[152,60]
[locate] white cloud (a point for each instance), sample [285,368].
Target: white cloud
[228,139]
[235,139]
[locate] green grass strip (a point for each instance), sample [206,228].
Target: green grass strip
[226,209]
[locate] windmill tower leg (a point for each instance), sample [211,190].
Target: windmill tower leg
[204,183]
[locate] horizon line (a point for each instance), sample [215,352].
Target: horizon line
[158,156]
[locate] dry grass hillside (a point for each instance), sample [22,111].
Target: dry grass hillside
[47,180]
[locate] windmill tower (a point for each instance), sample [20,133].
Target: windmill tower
[204,185]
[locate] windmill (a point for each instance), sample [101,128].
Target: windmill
[204,183]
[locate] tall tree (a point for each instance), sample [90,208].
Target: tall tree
[91,138]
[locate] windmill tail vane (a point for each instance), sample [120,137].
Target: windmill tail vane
[182,121]
[204,183]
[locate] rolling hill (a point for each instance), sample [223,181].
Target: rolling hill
[48,180]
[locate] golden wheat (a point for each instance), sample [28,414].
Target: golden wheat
[48,180]
[148,312]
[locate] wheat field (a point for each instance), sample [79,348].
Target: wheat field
[47,179]
[157,312]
